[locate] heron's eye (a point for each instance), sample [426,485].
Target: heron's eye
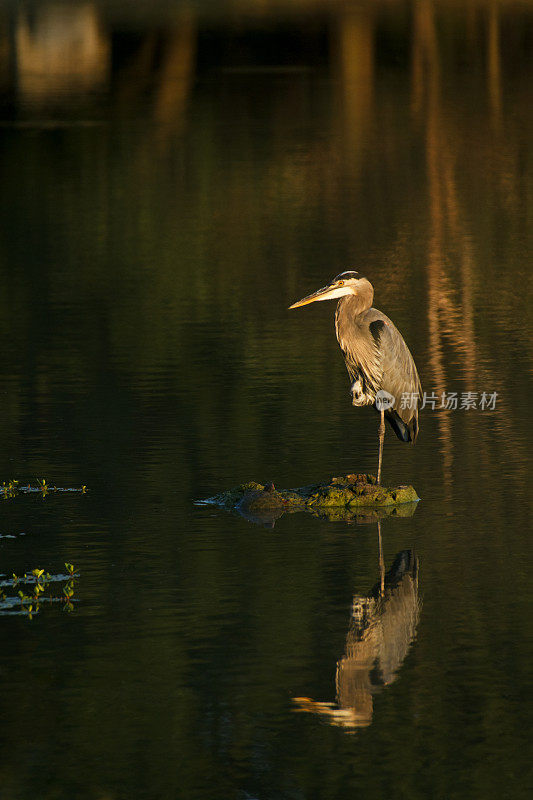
[341,283]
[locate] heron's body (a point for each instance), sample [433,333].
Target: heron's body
[376,355]
[377,358]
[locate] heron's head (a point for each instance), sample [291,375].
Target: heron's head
[348,282]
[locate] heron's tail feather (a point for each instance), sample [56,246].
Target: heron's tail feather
[405,431]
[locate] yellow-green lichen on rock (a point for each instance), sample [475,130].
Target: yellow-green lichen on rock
[345,492]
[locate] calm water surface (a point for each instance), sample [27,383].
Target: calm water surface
[168,190]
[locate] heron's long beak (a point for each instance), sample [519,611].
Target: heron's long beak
[328,292]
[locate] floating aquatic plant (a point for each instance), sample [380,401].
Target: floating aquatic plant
[12,489]
[37,587]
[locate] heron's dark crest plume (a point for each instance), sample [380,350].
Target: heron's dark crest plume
[376,355]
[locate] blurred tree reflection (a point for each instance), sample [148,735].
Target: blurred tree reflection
[60,50]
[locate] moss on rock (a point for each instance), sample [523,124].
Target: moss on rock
[347,491]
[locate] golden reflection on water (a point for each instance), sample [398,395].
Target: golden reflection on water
[452,262]
[60,49]
[382,627]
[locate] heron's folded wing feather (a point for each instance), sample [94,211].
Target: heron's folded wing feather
[399,373]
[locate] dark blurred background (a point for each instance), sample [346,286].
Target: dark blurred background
[173,176]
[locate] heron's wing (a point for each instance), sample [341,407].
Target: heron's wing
[399,373]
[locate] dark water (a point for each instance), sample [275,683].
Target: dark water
[170,185]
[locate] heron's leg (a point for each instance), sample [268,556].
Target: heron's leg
[381,439]
[381,562]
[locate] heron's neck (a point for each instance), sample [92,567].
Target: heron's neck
[360,302]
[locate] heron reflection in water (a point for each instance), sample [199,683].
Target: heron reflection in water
[379,363]
[382,626]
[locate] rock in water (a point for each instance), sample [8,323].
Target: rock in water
[345,492]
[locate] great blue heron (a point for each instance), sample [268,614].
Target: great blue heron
[380,366]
